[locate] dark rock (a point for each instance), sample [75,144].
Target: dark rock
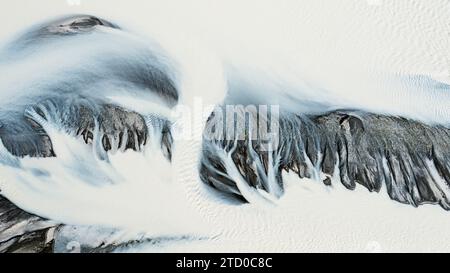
[23,232]
[24,136]
[409,158]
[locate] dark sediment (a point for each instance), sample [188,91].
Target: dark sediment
[23,136]
[23,232]
[60,27]
[409,158]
